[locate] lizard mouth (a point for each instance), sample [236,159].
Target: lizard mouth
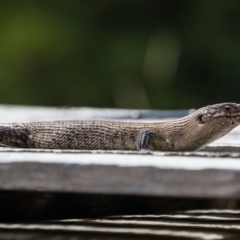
[235,119]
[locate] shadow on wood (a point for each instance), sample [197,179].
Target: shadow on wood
[39,206]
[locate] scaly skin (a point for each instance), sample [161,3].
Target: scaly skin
[185,134]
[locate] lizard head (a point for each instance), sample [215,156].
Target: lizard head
[224,114]
[215,121]
[203,126]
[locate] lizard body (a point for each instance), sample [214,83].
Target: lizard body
[184,134]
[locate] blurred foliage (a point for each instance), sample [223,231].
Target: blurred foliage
[164,54]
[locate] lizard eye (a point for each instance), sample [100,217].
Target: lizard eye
[227,108]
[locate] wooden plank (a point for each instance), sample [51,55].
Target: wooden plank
[15,113]
[184,226]
[111,173]
[186,174]
[85,233]
[47,175]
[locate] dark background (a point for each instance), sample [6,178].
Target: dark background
[150,54]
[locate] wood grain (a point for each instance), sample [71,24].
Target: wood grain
[109,173]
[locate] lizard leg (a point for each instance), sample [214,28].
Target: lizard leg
[150,140]
[144,139]
[15,138]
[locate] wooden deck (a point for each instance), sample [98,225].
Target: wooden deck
[194,194]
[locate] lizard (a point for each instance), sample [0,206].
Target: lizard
[189,133]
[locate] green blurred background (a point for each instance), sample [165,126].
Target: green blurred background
[151,54]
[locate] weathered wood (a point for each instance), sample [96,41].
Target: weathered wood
[107,173]
[15,113]
[185,226]
[59,184]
